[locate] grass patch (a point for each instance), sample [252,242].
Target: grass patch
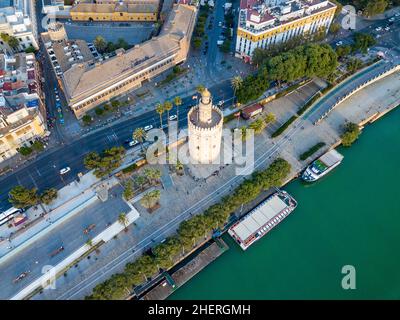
[283,127]
[312,150]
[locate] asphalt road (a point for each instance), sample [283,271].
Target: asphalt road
[43,172]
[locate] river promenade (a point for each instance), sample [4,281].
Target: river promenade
[370,102]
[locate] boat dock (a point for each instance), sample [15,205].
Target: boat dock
[186,270]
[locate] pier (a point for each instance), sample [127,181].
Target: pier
[186,270]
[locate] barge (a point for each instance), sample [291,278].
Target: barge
[262,219]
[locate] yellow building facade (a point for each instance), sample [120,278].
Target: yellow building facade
[114,12]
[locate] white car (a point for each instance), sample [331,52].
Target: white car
[65,170]
[57,98]
[339,43]
[392,19]
[220,103]
[173,117]
[147,128]
[387,28]
[378,29]
[133,143]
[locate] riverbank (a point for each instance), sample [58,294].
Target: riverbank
[347,218]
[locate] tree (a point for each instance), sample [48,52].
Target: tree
[123,220]
[334,29]
[139,135]
[13,42]
[100,44]
[87,119]
[152,175]
[160,110]
[270,118]
[168,107]
[99,111]
[196,42]
[354,64]
[104,164]
[258,125]
[48,196]
[375,7]
[115,104]
[200,88]
[38,146]
[236,82]
[21,197]
[128,191]
[30,49]
[343,51]
[362,41]
[350,134]
[25,151]
[150,199]
[178,103]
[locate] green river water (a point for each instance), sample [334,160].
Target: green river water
[349,217]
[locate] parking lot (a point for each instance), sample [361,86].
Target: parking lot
[131,32]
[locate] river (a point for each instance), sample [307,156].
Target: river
[349,217]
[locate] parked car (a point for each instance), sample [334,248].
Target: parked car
[378,29]
[339,43]
[147,128]
[173,117]
[65,170]
[133,143]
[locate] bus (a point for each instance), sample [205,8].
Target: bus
[8,215]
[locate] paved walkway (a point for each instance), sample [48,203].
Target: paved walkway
[71,200]
[49,277]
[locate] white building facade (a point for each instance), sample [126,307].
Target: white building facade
[266,23]
[17,24]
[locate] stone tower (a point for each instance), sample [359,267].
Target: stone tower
[205,131]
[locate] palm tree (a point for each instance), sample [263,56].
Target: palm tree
[270,118]
[160,110]
[152,175]
[178,103]
[139,134]
[179,167]
[236,83]
[258,126]
[150,199]
[123,220]
[200,88]
[168,107]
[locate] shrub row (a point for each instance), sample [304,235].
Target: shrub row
[312,150]
[166,254]
[284,126]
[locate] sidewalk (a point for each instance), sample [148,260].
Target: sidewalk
[50,276]
[71,200]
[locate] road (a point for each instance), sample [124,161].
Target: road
[43,172]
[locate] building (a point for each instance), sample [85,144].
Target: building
[270,22]
[205,131]
[87,85]
[14,22]
[118,11]
[22,112]
[64,53]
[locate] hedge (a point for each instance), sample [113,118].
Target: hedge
[284,126]
[312,150]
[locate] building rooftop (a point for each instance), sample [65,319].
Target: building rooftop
[260,15]
[117,7]
[84,78]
